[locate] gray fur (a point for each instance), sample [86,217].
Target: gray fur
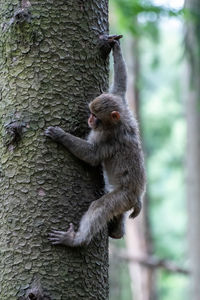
[116,145]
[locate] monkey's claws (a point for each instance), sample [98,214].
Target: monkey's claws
[63,237]
[55,133]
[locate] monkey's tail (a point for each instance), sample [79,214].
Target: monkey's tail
[137,208]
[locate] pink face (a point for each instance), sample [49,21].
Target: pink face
[92,121]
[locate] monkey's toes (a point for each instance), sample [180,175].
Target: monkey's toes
[62,237]
[55,239]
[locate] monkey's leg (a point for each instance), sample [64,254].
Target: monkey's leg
[100,213]
[116,227]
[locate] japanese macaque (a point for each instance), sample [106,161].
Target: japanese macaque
[113,142]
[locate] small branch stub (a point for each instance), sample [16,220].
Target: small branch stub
[14,131]
[33,296]
[106,42]
[35,293]
[21,15]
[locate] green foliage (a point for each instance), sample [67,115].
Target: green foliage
[171,287]
[164,136]
[141,17]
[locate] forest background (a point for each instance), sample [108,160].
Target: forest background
[153,45]
[40,86]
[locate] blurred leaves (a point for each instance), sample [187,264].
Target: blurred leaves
[141,17]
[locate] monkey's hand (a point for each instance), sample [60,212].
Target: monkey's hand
[107,42]
[63,237]
[55,133]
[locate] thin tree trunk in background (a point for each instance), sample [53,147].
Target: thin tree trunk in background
[193,142]
[138,235]
[50,68]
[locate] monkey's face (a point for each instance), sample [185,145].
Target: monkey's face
[105,112]
[93,121]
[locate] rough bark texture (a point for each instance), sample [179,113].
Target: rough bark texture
[50,68]
[193,142]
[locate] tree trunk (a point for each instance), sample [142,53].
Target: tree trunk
[50,68]
[193,142]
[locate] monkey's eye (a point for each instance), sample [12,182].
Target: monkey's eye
[93,115]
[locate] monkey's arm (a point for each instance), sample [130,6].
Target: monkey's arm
[120,73]
[80,148]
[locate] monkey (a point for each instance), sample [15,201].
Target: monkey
[113,142]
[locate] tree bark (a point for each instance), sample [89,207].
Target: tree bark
[50,68]
[193,141]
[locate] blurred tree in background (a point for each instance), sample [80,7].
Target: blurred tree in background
[153,47]
[192,42]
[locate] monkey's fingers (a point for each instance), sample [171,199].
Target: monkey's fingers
[114,37]
[55,133]
[49,131]
[107,42]
[110,39]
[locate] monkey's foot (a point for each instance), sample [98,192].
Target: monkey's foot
[137,208]
[116,234]
[116,228]
[63,237]
[55,133]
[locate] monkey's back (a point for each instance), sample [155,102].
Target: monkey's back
[124,166]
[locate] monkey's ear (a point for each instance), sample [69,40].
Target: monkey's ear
[115,115]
